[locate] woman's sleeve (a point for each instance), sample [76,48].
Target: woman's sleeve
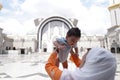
[53,71]
[66,75]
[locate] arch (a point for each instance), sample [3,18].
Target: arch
[113,50]
[46,21]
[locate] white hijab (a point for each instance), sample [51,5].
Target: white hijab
[100,65]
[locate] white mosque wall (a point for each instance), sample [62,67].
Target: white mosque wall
[26,45]
[91,41]
[26,42]
[1,40]
[5,42]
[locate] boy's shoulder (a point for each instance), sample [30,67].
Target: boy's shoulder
[62,40]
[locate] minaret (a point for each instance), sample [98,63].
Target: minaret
[113,32]
[114,9]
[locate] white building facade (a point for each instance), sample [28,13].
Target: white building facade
[24,44]
[91,41]
[5,43]
[46,31]
[113,34]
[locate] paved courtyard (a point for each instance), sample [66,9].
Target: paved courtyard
[31,67]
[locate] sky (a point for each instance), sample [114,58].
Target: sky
[17,16]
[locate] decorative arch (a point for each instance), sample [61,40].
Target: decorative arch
[46,21]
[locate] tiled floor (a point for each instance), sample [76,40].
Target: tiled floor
[23,67]
[30,67]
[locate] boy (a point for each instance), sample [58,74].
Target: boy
[67,45]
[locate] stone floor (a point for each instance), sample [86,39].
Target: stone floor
[31,67]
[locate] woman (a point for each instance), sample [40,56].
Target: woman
[97,64]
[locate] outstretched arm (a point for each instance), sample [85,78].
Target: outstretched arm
[53,71]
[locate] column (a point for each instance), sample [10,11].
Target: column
[63,31]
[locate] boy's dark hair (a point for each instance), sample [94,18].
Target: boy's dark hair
[74,32]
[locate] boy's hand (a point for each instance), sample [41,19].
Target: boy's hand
[72,52]
[76,54]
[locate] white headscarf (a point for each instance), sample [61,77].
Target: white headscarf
[100,65]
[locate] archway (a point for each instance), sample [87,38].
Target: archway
[49,26]
[113,50]
[114,47]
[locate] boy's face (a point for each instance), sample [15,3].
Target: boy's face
[72,40]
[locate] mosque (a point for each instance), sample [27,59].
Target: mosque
[48,29]
[41,38]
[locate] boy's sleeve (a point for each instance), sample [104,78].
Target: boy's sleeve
[66,75]
[77,61]
[53,71]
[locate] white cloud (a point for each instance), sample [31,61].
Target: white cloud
[96,20]
[43,8]
[92,20]
[101,1]
[13,26]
